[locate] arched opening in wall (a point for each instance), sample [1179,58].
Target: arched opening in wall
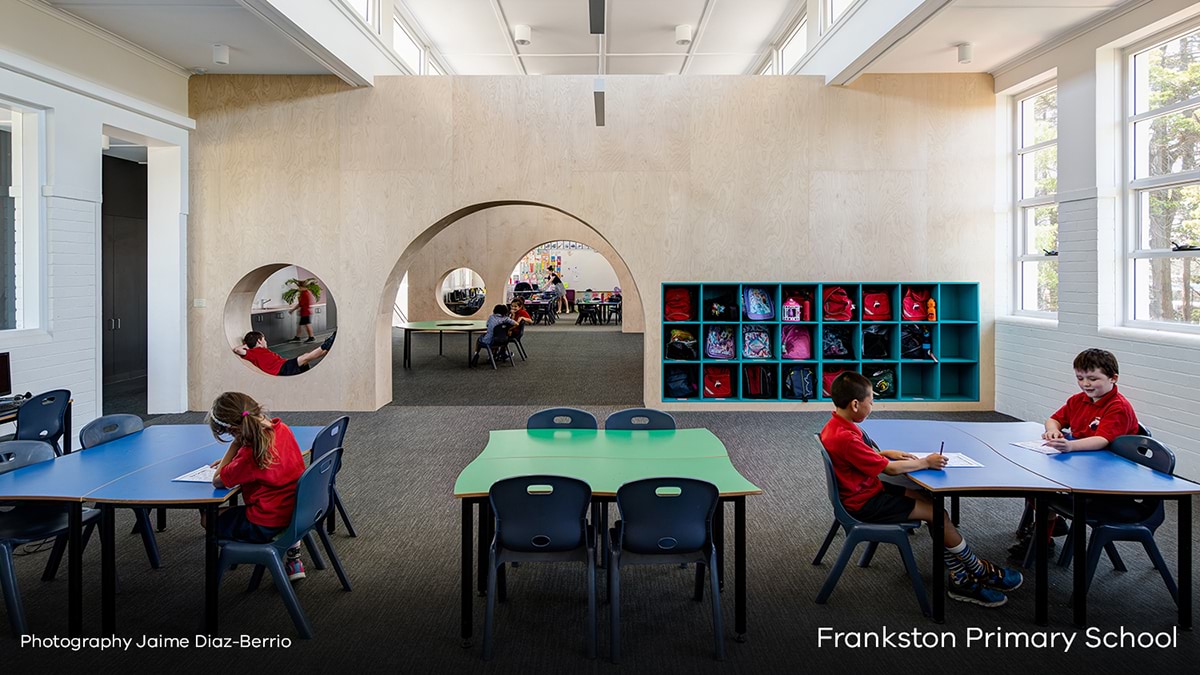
[557,357]
[280,320]
[461,292]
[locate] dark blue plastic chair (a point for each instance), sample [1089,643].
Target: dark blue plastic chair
[26,522]
[561,418]
[872,534]
[43,418]
[540,519]
[1138,525]
[631,419]
[665,521]
[312,504]
[515,339]
[330,438]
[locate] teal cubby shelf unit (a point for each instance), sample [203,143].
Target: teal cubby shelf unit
[927,360]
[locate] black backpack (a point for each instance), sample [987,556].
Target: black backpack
[683,346]
[836,342]
[680,383]
[799,382]
[884,383]
[914,342]
[877,342]
[759,382]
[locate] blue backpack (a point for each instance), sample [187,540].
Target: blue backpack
[719,342]
[758,304]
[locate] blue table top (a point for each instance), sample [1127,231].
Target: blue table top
[1096,471]
[129,468]
[922,437]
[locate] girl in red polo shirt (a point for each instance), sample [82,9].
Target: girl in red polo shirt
[263,459]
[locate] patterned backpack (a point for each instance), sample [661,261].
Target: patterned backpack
[756,342]
[759,306]
[719,342]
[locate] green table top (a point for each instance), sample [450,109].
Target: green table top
[604,459]
[447,325]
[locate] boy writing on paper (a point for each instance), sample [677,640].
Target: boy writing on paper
[857,466]
[1095,416]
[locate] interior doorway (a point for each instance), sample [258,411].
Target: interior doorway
[123,234]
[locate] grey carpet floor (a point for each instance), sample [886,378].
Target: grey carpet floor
[567,365]
[402,615]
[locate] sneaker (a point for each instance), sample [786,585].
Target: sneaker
[295,339]
[294,569]
[974,592]
[311,339]
[329,341]
[1002,578]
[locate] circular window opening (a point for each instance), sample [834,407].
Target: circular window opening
[461,292]
[292,320]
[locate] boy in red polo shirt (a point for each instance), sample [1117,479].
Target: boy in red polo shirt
[857,466]
[254,349]
[1095,416]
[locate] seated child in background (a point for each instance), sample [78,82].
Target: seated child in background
[857,466]
[254,349]
[519,314]
[1095,416]
[264,459]
[499,317]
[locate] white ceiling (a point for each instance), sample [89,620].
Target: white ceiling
[474,37]
[999,31]
[184,31]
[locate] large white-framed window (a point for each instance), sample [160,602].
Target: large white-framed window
[1162,164]
[20,218]
[407,47]
[367,10]
[794,47]
[833,10]
[1035,201]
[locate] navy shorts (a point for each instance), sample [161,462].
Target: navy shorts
[889,506]
[233,524]
[305,320]
[292,367]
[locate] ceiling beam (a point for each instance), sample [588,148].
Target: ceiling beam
[705,15]
[508,37]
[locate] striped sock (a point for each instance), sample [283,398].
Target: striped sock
[967,559]
[954,565]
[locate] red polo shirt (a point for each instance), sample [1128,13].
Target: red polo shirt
[267,361]
[306,302]
[856,464]
[1109,417]
[270,493]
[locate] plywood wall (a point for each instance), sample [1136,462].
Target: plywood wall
[697,178]
[491,242]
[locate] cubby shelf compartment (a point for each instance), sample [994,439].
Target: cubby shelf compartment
[948,372]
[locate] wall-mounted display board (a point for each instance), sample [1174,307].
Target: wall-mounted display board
[788,341]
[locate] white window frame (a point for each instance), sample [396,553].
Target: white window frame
[372,17]
[827,17]
[1020,255]
[1132,228]
[399,24]
[801,28]
[30,152]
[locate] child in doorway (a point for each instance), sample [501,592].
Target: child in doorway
[858,465]
[1095,416]
[254,349]
[500,317]
[264,459]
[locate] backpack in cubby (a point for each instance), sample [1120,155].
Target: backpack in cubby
[797,342]
[915,305]
[799,382]
[877,341]
[759,382]
[877,306]
[719,342]
[717,382]
[915,343]
[759,306]
[884,383]
[837,342]
[827,380]
[838,306]
[721,308]
[756,342]
[680,382]
[683,346]
[678,305]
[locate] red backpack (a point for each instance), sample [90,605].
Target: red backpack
[827,380]
[679,305]
[717,382]
[915,304]
[838,306]
[877,306]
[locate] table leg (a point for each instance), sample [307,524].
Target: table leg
[937,530]
[67,429]
[440,335]
[108,570]
[211,552]
[739,568]
[75,569]
[465,609]
[719,541]
[1079,567]
[1185,562]
[407,348]
[1041,593]
[954,509]
[485,533]
[470,344]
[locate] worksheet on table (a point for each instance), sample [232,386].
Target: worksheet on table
[957,460]
[1036,446]
[202,475]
